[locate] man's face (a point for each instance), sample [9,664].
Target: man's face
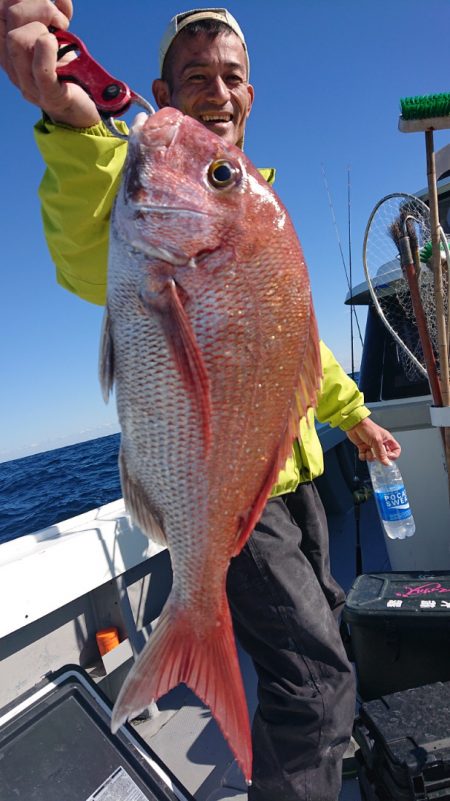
[209,83]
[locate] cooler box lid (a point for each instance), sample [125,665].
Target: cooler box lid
[56,743]
[413,595]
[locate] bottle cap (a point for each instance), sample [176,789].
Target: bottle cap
[375,459]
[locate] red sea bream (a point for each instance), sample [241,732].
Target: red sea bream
[211,342]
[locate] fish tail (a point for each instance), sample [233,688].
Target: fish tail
[177,652]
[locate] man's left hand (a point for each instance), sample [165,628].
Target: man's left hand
[373,442]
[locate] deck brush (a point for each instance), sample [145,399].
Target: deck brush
[427,113]
[424,112]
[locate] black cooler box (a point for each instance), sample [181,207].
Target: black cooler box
[404,745]
[56,745]
[400,630]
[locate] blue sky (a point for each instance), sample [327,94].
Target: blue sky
[328,76]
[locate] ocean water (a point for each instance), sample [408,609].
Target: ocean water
[45,488]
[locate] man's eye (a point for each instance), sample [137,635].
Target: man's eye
[196,78]
[234,80]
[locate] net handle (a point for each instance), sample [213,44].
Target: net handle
[373,294]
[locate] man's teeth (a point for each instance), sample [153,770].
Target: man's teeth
[216,117]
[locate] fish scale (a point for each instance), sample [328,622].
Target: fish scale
[211,341]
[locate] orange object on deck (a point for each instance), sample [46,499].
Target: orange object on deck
[107,639]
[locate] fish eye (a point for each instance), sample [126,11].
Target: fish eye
[222,174]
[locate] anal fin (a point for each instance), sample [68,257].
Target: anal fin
[138,505]
[106,362]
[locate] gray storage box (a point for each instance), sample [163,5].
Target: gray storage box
[400,630]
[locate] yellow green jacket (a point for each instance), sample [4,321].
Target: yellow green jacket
[76,225]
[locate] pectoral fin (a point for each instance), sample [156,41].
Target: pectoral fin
[185,350]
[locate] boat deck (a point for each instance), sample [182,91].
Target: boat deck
[59,586]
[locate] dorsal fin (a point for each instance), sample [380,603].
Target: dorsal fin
[305,396]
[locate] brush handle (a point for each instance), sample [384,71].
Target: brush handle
[438,287]
[437,269]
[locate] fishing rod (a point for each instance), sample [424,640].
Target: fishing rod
[359,489]
[347,276]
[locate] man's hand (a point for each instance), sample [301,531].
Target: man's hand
[28,55]
[373,442]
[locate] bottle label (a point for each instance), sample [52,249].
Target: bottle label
[393,503]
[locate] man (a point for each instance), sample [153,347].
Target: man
[284,601]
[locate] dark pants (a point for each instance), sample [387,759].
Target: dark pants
[285,607]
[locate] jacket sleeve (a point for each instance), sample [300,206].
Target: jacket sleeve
[340,402]
[82,176]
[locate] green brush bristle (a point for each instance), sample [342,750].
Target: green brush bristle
[425,106]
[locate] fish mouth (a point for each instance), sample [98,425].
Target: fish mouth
[151,251]
[137,242]
[144,208]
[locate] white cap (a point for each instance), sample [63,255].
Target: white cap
[179,21]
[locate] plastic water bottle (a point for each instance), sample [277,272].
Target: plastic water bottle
[392,500]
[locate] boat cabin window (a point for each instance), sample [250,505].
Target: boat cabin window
[386,372]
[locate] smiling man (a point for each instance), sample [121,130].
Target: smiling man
[285,603]
[205,72]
